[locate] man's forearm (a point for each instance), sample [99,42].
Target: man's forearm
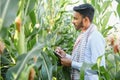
[74,64]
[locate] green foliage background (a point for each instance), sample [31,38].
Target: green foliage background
[54,29]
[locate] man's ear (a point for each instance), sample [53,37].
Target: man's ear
[86,21]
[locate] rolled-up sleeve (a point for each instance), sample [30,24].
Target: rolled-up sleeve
[76,65]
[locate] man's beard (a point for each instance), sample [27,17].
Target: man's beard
[80,26]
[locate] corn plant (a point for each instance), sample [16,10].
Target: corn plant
[31,29]
[35,29]
[118,7]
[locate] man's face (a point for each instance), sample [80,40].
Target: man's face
[78,21]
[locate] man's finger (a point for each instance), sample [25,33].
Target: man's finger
[59,47]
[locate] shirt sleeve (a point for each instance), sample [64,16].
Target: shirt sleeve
[68,56]
[97,48]
[76,65]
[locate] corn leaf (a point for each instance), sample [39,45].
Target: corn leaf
[14,72]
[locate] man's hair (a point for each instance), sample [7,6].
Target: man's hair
[86,10]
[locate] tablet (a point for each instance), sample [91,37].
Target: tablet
[58,55]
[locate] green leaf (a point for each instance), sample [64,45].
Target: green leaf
[3,32]
[94,67]
[9,11]
[46,70]
[106,18]
[105,31]
[5,60]
[14,72]
[118,1]
[93,2]
[66,73]
[25,72]
[97,7]
[99,61]
[118,9]
[98,64]
[33,17]
[84,67]
[106,4]
[117,57]
[31,6]
[117,77]
[104,73]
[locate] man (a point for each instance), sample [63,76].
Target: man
[88,47]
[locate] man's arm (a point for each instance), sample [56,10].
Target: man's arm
[68,62]
[97,48]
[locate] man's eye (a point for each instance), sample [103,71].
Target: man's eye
[76,18]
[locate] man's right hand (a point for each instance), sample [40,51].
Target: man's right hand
[60,51]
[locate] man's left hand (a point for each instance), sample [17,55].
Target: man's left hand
[66,62]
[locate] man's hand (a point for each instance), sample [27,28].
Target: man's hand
[60,51]
[66,62]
